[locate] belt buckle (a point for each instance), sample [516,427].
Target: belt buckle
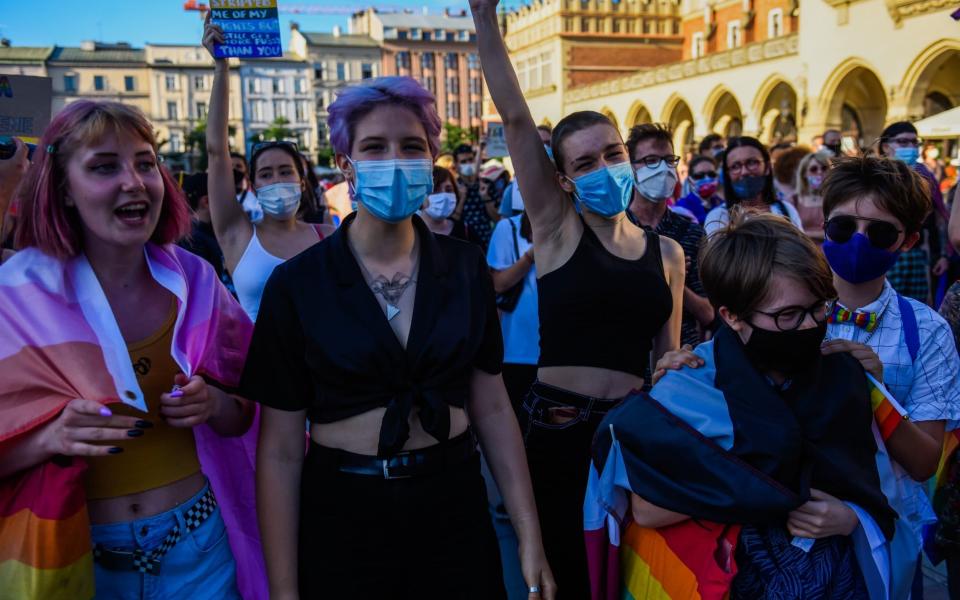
[386,471]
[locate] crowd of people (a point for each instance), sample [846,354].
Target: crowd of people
[617,369]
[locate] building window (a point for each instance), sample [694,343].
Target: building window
[775,23]
[734,34]
[201,110]
[279,109]
[463,35]
[302,108]
[256,111]
[473,61]
[172,113]
[533,73]
[414,33]
[341,71]
[170,82]
[389,33]
[366,70]
[427,36]
[402,34]
[453,85]
[278,86]
[452,61]
[130,83]
[696,45]
[426,60]
[403,60]
[584,25]
[318,71]
[568,24]
[521,69]
[69,83]
[439,35]
[98,83]
[617,26]
[253,86]
[475,112]
[176,141]
[430,82]
[453,110]
[475,86]
[546,69]
[199,82]
[300,85]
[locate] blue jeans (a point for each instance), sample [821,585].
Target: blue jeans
[199,566]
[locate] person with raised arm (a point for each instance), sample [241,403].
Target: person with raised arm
[609,294]
[251,252]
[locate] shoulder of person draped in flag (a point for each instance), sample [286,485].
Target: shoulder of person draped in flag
[58,342]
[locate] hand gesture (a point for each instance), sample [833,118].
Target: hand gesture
[212,34]
[190,403]
[676,360]
[536,572]
[822,516]
[863,353]
[84,422]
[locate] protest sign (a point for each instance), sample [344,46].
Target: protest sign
[251,28]
[24,106]
[496,146]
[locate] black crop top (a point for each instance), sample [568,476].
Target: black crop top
[600,310]
[322,342]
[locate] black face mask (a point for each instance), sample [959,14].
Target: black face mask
[787,352]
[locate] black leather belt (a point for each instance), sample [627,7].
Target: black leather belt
[403,465]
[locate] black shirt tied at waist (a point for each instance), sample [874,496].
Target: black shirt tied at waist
[322,343]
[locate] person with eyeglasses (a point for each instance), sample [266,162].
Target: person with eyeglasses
[398,389]
[748,182]
[752,474]
[609,292]
[703,184]
[910,275]
[808,180]
[277,176]
[650,146]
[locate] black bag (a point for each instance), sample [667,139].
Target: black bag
[507,301]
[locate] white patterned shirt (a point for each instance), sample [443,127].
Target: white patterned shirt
[928,388]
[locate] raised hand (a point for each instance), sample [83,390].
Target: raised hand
[212,34]
[481,5]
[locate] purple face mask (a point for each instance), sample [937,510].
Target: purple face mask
[857,260]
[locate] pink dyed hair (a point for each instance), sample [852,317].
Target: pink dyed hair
[45,221]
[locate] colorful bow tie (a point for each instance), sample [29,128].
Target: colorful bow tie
[864,320]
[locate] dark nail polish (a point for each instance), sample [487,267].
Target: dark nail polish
[115,450]
[134,433]
[144,424]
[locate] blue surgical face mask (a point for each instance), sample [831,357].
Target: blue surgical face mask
[857,260]
[606,191]
[749,187]
[279,200]
[908,155]
[392,190]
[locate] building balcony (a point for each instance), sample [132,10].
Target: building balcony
[718,61]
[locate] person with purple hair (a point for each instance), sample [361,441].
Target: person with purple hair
[389,501]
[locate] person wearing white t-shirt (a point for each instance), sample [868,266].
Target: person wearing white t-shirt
[748,183]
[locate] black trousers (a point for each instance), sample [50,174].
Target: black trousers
[559,459]
[424,537]
[517,379]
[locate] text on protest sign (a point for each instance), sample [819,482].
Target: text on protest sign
[251,28]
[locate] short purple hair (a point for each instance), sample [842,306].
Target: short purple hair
[355,102]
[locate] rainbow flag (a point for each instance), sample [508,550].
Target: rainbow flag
[886,410]
[59,341]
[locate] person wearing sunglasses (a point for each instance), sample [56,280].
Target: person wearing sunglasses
[703,184]
[910,275]
[755,469]
[277,175]
[808,179]
[651,151]
[874,210]
[748,182]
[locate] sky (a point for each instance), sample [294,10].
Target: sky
[68,22]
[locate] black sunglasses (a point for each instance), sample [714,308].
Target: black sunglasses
[261,146]
[704,174]
[882,234]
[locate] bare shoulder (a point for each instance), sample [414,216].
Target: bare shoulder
[670,250]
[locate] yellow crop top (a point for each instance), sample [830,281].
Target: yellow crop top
[163,454]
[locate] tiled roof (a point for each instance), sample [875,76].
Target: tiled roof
[24,53]
[111,54]
[405,20]
[328,39]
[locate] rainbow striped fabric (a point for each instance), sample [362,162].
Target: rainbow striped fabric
[59,341]
[887,412]
[864,320]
